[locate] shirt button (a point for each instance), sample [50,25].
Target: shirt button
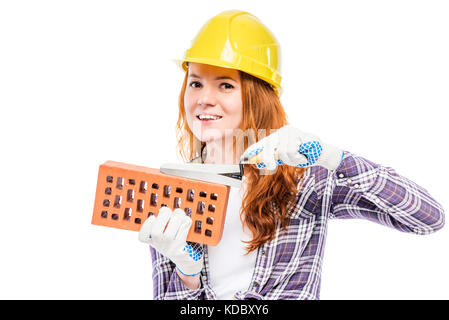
[263,252]
[377,201]
[341,175]
[356,185]
[348,180]
[256,284]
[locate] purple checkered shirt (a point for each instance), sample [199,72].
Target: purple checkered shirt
[289,266]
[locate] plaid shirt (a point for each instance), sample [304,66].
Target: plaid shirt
[289,266]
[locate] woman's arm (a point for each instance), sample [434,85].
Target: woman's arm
[168,285]
[364,189]
[191,282]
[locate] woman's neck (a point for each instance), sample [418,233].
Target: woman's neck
[218,152]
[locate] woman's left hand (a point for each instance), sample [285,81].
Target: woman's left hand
[290,146]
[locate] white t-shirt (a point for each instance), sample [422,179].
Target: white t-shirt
[231,270]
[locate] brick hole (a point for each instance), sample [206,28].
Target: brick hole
[109,179]
[203,194]
[143,187]
[190,194]
[140,204]
[197,226]
[104,214]
[119,183]
[108,190]
[127,214]
[130,195]
[153,199]
[200,207]
[177,203]
[214,196]
[117,201]
[155,186]
[167,190]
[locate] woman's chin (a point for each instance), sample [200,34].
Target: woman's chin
[211,135]
[210,138]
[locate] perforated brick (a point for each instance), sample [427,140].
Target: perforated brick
[127,195]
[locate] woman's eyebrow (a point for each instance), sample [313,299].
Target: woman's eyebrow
[217,78]
[224,77]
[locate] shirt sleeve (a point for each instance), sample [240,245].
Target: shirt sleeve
[166,283]
[364,189]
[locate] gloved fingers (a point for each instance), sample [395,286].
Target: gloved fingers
[160,223]
[173,225]
[184,228]
[267,143]
[289,141]
[267,158]
[289,155]
[263,153]
[311,150]
[250,154]
[300,149]
[145,230]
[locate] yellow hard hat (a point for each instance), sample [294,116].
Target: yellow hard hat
[237,40]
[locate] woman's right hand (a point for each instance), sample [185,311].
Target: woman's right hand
[167,233]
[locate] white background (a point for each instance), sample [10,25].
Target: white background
[82,82]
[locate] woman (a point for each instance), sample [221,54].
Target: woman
[275,229]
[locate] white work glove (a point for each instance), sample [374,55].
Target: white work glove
[290,146]
[167,233]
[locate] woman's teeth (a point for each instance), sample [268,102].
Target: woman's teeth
[208,117]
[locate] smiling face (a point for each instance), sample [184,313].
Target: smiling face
[213,101]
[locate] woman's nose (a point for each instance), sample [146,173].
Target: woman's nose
[207,96]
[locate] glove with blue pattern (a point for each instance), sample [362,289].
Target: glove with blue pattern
[167,233]
[288,145]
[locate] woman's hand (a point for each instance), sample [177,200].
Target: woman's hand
[167,233]
[290,146]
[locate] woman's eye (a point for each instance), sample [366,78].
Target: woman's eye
[227,85]
[195,84]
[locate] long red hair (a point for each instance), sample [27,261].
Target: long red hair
[268,197]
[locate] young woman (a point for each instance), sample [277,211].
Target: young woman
[275,229]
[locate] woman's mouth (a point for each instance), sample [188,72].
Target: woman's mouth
[208,118]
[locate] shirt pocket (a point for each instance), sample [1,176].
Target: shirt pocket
[290,245]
